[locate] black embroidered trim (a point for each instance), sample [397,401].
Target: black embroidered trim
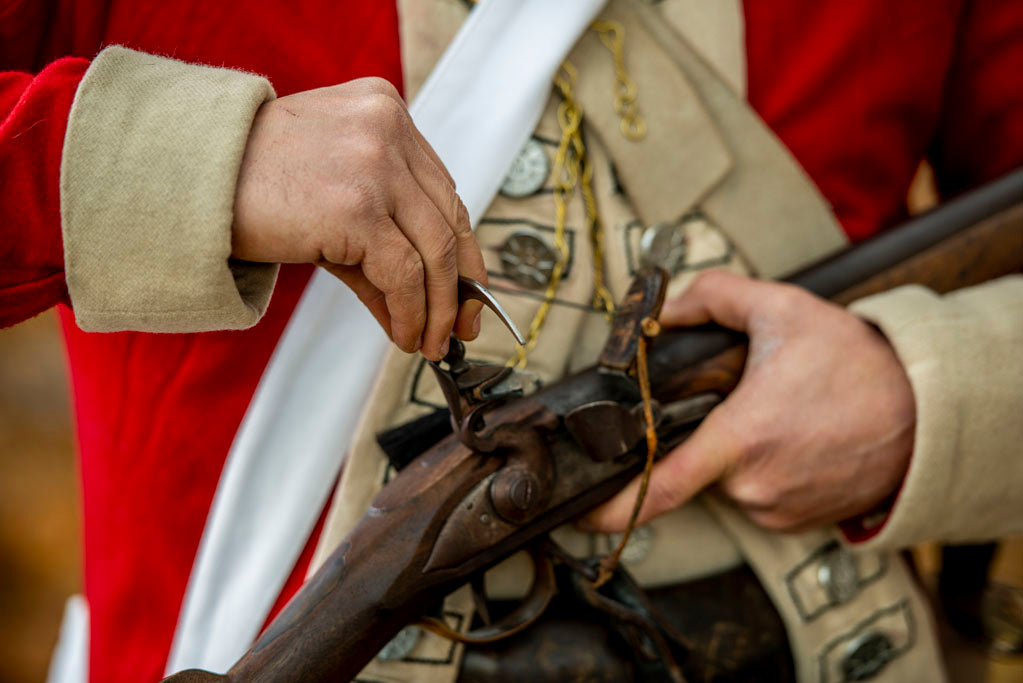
[632,259]
[815,556]
[901,606]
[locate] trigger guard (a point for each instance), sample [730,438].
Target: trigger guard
[529,610]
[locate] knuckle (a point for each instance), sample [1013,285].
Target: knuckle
[445,251]
[387,111]
[380,85]
[375,152]
[339,249]
[364,203]
[700,281]
[410,274]
[788,300]
[403,334]
[661,494]
[706,281]
[462,228]
[749,442]
[371,298]
[742,446]
[753,492]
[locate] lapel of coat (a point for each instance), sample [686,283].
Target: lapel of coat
[425,28]
[705,147]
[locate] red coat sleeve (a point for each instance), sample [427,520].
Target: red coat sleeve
[33,117]
[980,133]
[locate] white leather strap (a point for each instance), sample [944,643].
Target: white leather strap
[487,92]
[478,107]
[70,660]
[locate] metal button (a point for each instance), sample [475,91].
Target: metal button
[838,575]
[866,656]
[640,542]
[1001,613]
[401,645]
[528,172]
[664,245]
[526,259]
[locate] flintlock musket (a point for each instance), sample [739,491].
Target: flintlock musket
[518,466]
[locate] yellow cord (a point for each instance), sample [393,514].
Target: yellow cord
[566,174]
[572,167]
[633,126]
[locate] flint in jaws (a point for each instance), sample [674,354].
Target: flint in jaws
[471,289]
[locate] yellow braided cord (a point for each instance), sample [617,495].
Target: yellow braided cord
[602,298]
[633,126]
[572,166]
[566,174]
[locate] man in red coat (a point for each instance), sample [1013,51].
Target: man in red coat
[338,176]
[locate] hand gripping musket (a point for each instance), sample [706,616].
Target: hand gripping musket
[518,466]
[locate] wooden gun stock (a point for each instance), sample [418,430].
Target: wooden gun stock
[425,533]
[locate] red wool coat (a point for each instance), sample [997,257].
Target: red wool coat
[860,92]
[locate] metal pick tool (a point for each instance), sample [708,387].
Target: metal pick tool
[470,289]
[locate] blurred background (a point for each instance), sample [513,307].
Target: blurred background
[40,537]
[39,531]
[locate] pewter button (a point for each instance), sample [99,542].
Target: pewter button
[866,656]
[401,645]
[636,549]
[528,172]
[526,259]
[838,575]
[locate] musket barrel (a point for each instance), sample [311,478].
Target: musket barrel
[992,211]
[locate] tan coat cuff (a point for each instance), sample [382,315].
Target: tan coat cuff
[148,174]
[962,355]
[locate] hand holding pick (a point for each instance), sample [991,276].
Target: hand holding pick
[341,177]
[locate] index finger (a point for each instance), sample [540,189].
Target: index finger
[726,298]
[702,459]
[433,179]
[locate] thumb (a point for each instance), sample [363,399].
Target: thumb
[725,298]
[698,462]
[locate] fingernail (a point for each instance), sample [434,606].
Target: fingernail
[444,347]
[476,323]
[419,344]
